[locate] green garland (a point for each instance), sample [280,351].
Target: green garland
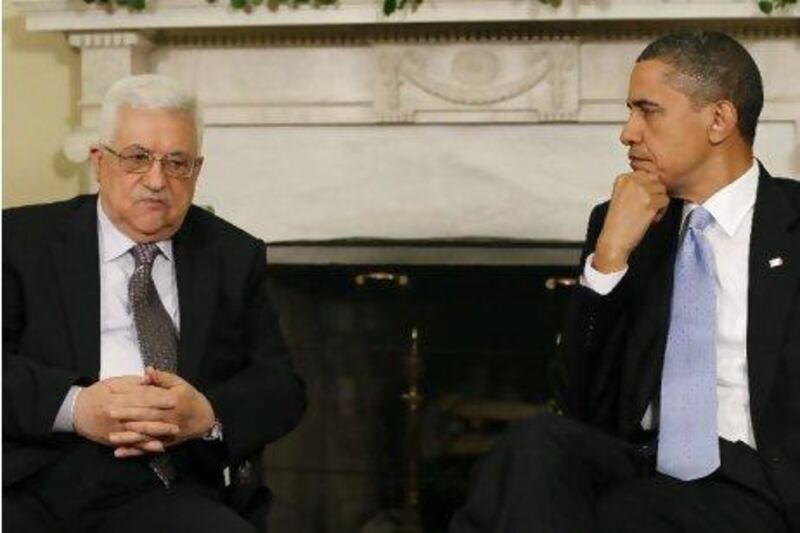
[767,6]
[389,6]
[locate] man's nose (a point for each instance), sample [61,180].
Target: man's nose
[154,179]
[630,133]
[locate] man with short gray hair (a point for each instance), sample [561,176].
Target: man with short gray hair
[142,359]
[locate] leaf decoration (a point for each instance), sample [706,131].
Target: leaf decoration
[389,6]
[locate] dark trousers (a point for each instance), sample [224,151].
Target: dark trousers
[91,491]
[553,474]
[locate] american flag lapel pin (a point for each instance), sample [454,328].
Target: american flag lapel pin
[775,262]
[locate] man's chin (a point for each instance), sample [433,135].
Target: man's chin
[152,231]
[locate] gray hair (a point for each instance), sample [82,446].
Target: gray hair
[147,91]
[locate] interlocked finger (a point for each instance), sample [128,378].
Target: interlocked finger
[138,414]
[152,428]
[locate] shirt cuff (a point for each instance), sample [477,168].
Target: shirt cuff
[599,282]
[63,421]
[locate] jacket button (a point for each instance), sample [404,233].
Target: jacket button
[775,459]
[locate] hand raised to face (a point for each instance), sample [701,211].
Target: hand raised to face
[638,200]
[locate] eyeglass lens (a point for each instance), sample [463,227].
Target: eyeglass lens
[139,160]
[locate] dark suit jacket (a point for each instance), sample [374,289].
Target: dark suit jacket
[230,347]
[613,346]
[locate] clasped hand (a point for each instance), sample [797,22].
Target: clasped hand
[142,414]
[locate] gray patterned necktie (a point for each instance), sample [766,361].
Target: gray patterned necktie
[158,338]
[688,445]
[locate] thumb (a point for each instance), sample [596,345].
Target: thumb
[659,215]
[159,378]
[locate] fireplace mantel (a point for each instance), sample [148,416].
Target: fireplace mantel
[462,119]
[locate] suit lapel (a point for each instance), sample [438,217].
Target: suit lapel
[197,270]
[774,281]
[76,263]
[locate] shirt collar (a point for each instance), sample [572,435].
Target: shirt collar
[114,244]
[730,204]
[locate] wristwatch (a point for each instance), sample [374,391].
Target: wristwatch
[214,433]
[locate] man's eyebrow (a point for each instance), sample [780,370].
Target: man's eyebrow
[642,103]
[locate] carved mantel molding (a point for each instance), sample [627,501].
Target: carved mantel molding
[392,101]
[450,61]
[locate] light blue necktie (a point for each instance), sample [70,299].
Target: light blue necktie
[688,446]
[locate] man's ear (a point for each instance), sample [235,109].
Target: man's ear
[95,156]
[724,120]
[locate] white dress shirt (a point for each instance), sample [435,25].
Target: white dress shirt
[119,344]
[729,236]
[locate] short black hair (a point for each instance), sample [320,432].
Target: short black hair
[713,66]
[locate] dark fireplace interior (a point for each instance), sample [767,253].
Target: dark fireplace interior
[412,371]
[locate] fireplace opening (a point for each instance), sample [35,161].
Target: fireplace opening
[413,370]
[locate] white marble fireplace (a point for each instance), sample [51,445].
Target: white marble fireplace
[465,118]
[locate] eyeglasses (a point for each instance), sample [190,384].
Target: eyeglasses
[138,160]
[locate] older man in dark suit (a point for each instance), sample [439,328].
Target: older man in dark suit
[680,370]
[141,356]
